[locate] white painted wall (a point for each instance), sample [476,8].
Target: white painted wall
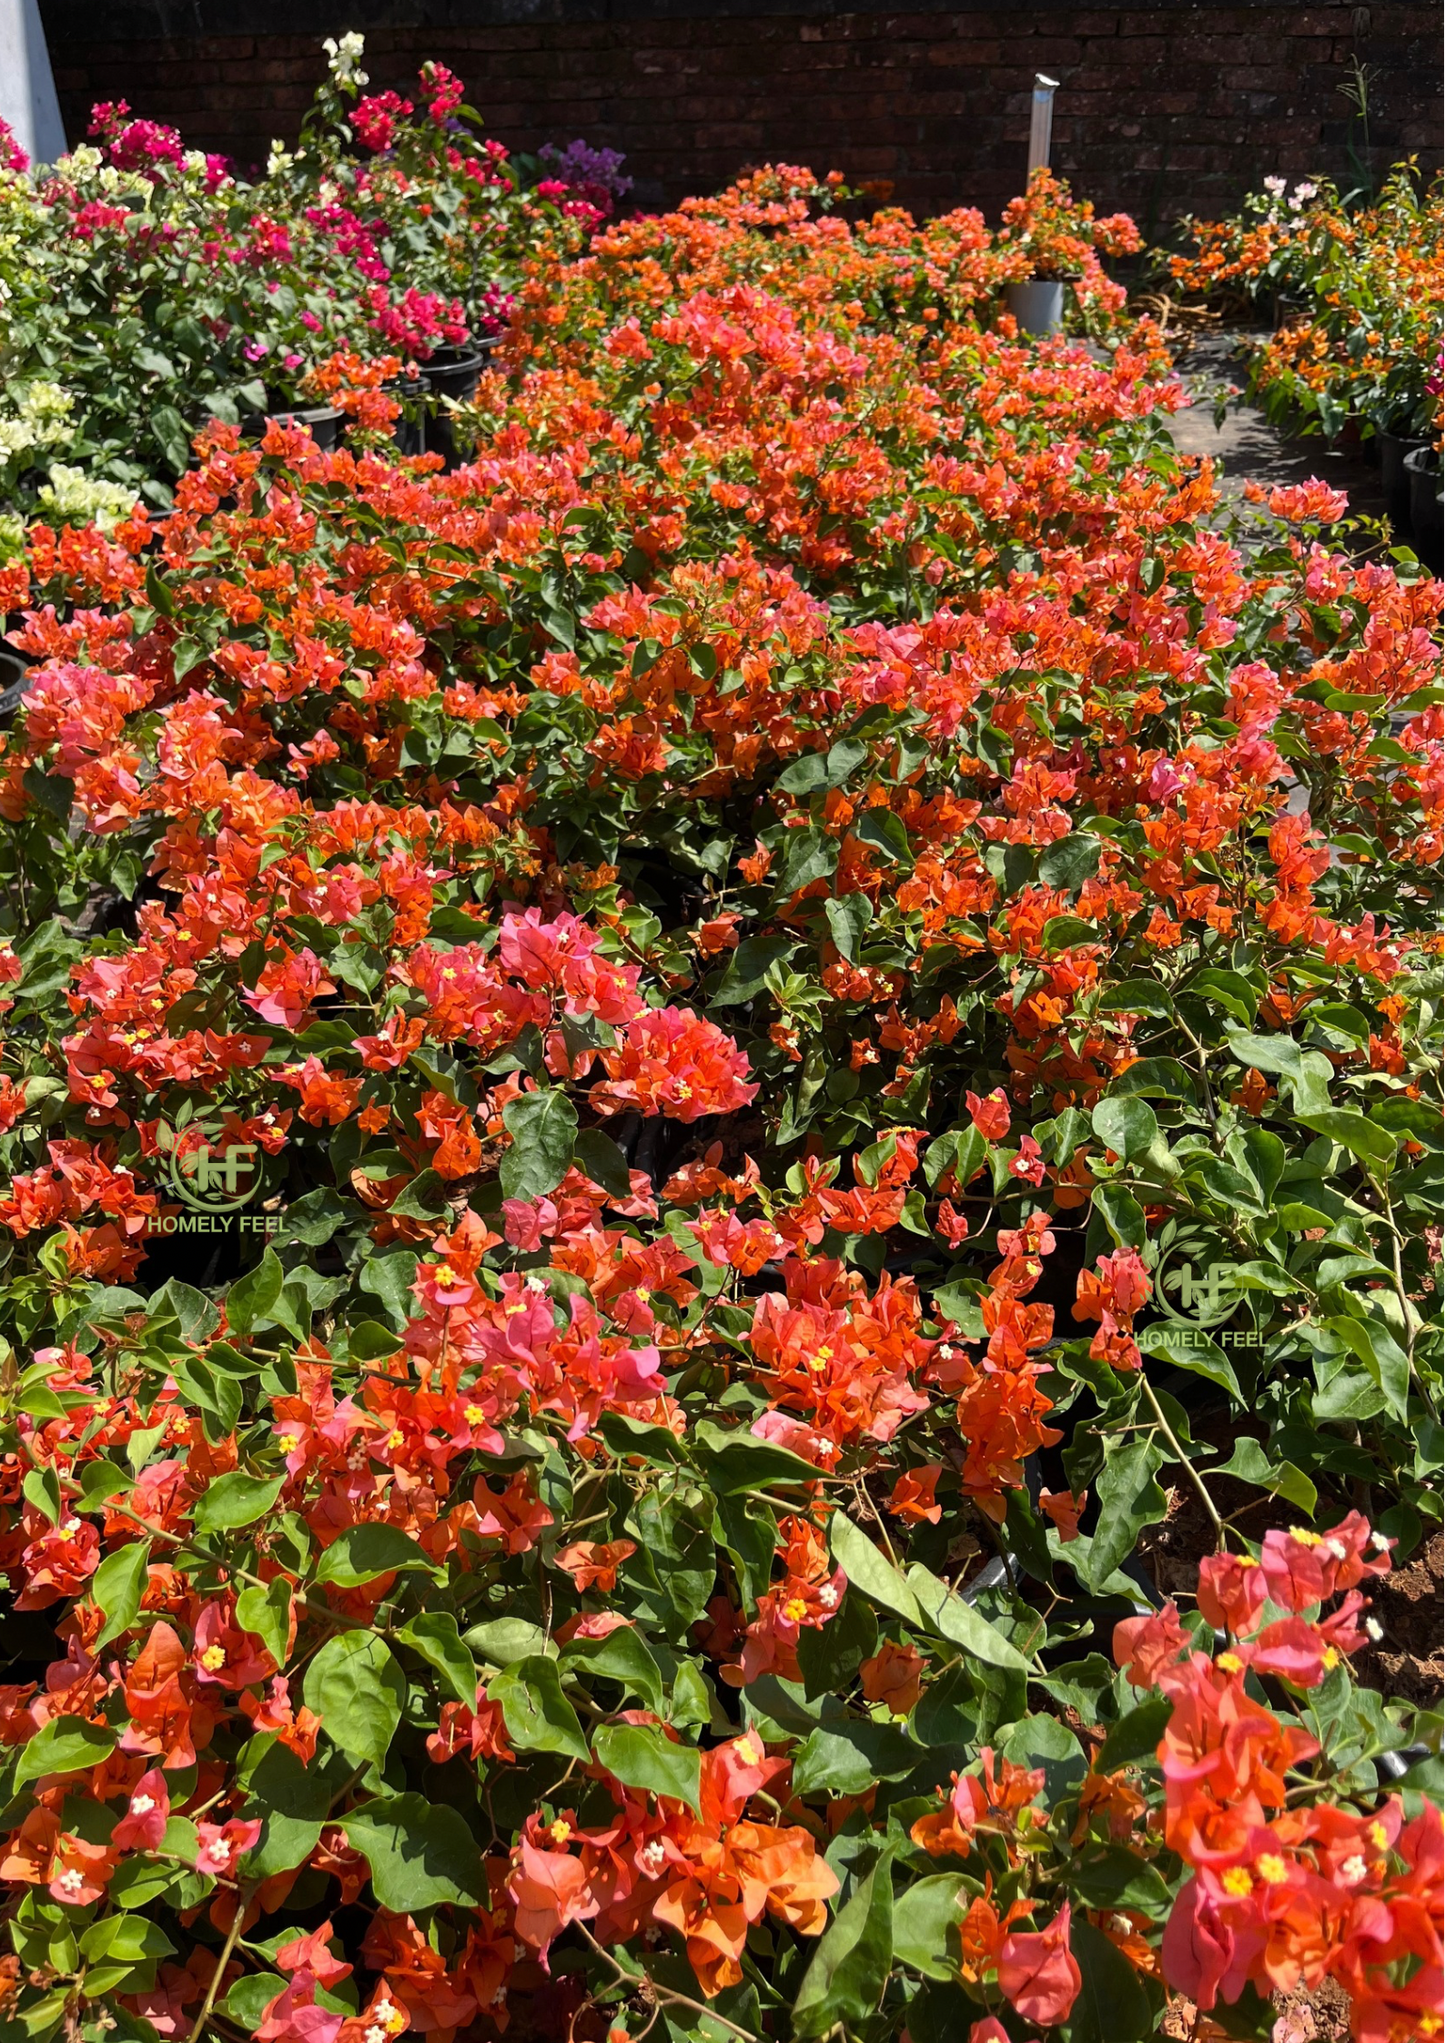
[27,89]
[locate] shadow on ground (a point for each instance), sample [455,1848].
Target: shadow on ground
[1247,448]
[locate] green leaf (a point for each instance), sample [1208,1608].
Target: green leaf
[1308,1071]
[808,854]
[216,1392]
[64,1745]
[502,1640]
[234,1500]
[543,1128]
[945,1612]
[434,1635]
[137,1882]
[1122,1214]
[1138,996]
[846,1977]
[621,1657]
[285,1843]
[1381,1354]
[748,968]
[248,1998]
[847,1756]
[251,1297]
[869,1571]
[627,1436]
[925,1918]
[538,1716]
[598,1155]
[1190,1347]
[421,1853]
[829,1655]
[1069,861]
[1136,1736]
[368,1341]
[363,1552]
[389,1279]
[125,1940]
[886,832]
[1127,1126]
[118,1586]
[357,1689]
[847,920]
[1063,931]
[41,1488]
[171,437]
[644,1757]
[1228,990]
[1116,1877]
[1129,1499]
[267,1613]
[1252,1465]
[1353,1131]
[735,1461]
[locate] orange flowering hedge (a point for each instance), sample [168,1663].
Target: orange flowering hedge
[658,1096]
[1358,298]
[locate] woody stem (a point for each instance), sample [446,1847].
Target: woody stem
[243,1900]
[664,1994]
[1190,1470]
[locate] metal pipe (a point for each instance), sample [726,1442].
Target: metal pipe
[1041,125]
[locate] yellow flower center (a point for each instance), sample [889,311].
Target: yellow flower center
[1271,1868]
[213,1657]
[1237,1882]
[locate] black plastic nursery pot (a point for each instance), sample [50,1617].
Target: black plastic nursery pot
[409,432]
[455,372]
[1427,515]
[322,421]
[1395,480]
[14,680]
[452,373]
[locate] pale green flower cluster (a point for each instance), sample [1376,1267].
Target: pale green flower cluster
[81,499]
[42,418]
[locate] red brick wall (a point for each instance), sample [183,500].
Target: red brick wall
[1165,105]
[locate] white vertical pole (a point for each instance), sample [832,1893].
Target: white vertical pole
[27,88]
[1041,125]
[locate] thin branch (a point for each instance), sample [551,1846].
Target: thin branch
[663,1994]
[1190,1470]
[243,1902]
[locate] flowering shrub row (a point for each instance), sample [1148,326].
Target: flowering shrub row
[621,1063]
[146,288]
[1361,333]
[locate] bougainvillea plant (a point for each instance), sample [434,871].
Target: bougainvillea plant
[1361,331]
[664,1100]
[193,292]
